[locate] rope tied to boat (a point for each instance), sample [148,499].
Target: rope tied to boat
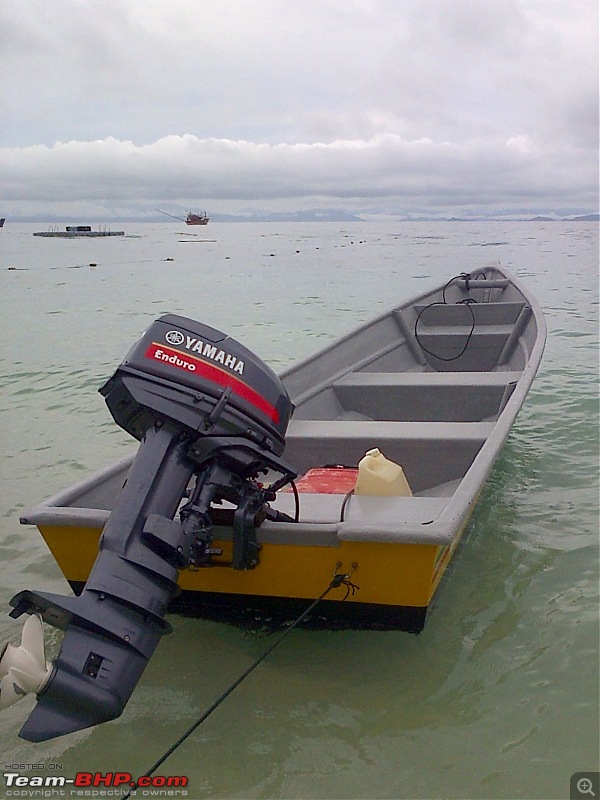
[339,579]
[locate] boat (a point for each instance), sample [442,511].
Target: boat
[197,219]
[396,383]
[433,386]
[77,231]
[190,219]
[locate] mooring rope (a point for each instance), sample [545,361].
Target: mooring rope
[339,579]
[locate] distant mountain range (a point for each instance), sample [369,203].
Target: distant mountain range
[315,215]
[582,218]
[337,215]
[311,215]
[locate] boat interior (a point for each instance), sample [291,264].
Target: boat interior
[426,386]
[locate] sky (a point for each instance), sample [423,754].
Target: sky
[114,108]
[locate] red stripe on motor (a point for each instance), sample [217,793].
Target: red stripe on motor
[198,366]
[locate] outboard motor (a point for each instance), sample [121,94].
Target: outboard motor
[211,418]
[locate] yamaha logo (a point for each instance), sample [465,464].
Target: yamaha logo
[174,337]
[206,350]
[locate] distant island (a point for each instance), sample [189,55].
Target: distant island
[338,215]
[310,215]
[315,215]
[582,218]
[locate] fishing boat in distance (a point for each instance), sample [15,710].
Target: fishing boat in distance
[197,219]
[250,491]
[77,231]
[190,219]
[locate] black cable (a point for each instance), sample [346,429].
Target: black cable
[297,499]
[467,301]
[338,579]
[464,275]
[345,503]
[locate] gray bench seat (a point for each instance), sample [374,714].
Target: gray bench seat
[393,380]
[431,453]
[326,508]
[319,429]
[457,314]
[425,396]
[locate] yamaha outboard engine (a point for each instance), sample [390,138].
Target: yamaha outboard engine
[211,418]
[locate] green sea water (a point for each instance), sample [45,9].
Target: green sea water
[498,697]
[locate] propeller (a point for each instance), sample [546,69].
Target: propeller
[24,669]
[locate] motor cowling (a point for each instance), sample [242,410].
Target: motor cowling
[179,369]
[211,419]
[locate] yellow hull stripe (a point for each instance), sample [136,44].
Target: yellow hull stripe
[391,574]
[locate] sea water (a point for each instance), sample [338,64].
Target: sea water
[498,697]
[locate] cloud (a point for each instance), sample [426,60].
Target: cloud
[185,169]
[125,103]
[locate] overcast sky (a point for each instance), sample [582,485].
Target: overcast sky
[114,107]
